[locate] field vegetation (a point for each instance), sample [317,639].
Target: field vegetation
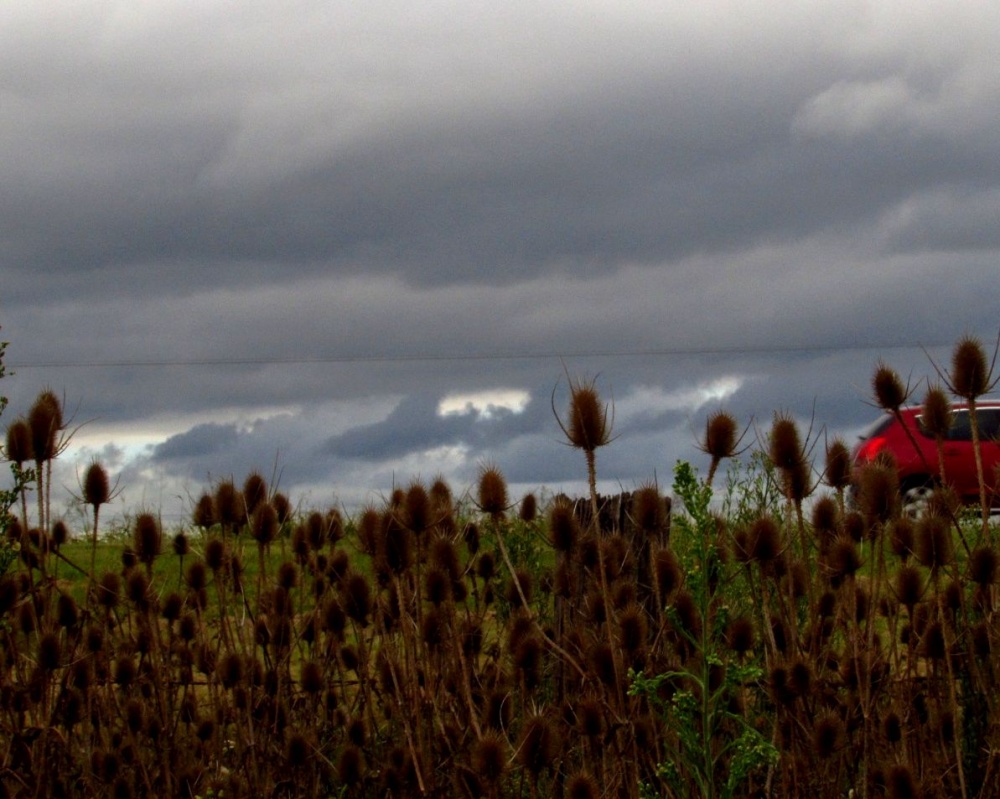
[775,628]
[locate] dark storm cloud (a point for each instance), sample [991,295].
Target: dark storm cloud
[284,234]
[200,440]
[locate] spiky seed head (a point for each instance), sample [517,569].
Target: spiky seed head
[529,508]
[417,508]
[983,566]
[934,548]
[440,495]
[437,586]
[588,426]
[96,489]
[582,786]
[970,373]
[878,492]
[785,447]
[564,529]
[687,613]
[397,543]
[67,612]
[444,555]
[632,628]
[297,749]
[827,735]
[486,567]
[739,635]
[147,538]
[797,481]
[49,652]
[489,757]
[837,470]
[721,435]
[108,589]
[492,491]
[936,417]
[909,586]
[357,598]
[538,745]
[844,560]
[264,524]
[228,504]
[18,447]
[60,534]
[311,677]
[350,766]
[203,515]
[901,784]
[764,539]
[666,572]
[45,420]
[889,391]
[125,671]
[254,492]
[649,511]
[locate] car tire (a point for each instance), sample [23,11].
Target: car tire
[916,496]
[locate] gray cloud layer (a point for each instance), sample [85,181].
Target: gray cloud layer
[307,197]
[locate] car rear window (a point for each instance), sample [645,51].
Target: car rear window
[876,427]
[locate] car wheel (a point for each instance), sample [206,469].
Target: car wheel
[916,498]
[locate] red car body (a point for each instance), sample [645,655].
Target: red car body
[916,453]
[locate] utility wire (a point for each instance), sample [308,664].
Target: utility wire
[431,357]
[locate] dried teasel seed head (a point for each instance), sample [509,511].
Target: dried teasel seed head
[764,539]
[837,470]
[264,524]
[96,489]
[108,589]
[357,598]
[440,495]
[650,511]
[983,566]
[147,538]
[529,508]
[492,491]
[204,513]
[721,435]
[470,534]
[564,529]
[417,508]
[909,586]
[828,733]
[785,447]
[228,504]
[901,784]
[489,757]
[970,372]
[444,555]
[934,549]
[486,567]
[282,507]
[878,492]
[181,545]
[902,534]
[740,635]
[350,766]
[666,573]
[889,392]
[538,746]
[588,426]
[936,416]
[254,492]
[582,785]
[843,560]
[18,448]
[45,420]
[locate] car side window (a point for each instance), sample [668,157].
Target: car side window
[989,423]
[961,428]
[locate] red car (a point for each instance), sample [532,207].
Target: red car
[918,467]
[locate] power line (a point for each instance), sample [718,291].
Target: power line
[432,357]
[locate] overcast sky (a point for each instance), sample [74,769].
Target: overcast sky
[358,244]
